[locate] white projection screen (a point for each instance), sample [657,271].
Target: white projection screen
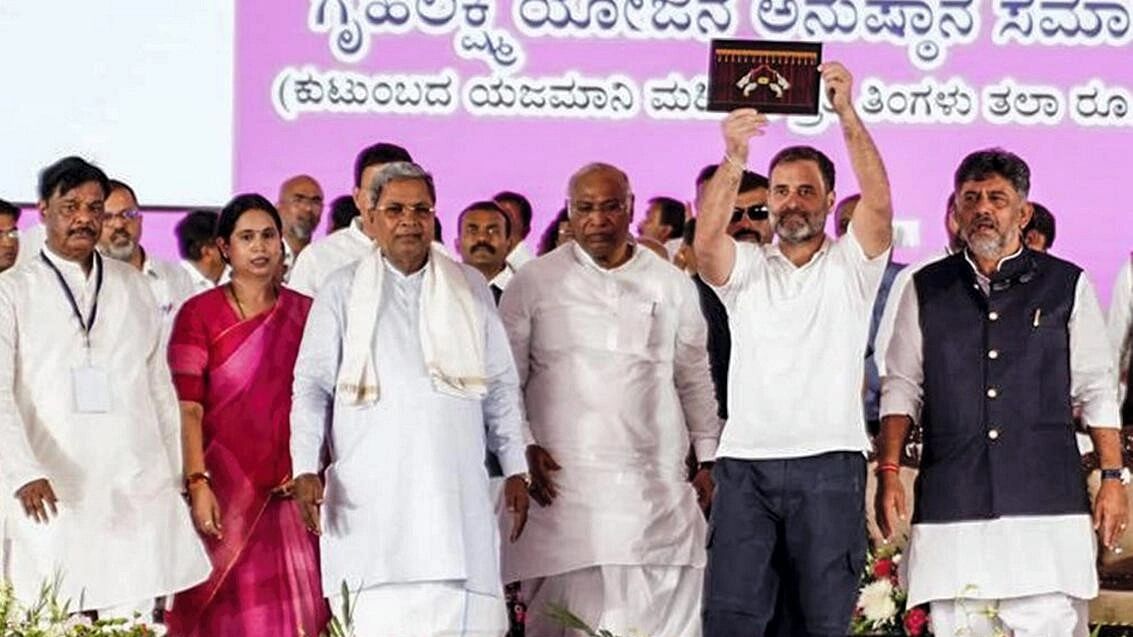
[142,87]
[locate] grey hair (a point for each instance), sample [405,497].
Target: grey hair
[597,167]
[401,171]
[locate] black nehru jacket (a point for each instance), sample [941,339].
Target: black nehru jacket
[998,433]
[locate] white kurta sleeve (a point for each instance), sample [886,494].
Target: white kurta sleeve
[515,315]
[316,368]
[501,405]
[17,461]
[746,257]
[1121,316]
[164,395]
[691,375]
[1093,377]
[902,392]
[888,316]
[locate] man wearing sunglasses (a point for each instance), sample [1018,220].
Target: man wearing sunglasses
[749,221]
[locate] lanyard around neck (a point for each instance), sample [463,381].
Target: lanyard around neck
[88,324]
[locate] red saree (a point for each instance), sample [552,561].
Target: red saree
[265,578]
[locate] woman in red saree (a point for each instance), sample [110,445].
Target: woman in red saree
[232,352]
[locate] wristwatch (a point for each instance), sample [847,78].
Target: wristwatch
[1121,474]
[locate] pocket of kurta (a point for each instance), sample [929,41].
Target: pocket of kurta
[637,321]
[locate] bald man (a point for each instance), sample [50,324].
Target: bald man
[300,207]
[609,343]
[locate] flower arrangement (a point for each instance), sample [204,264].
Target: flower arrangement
[881,602]
[48,617]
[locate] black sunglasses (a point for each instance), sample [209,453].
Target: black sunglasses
[757,212]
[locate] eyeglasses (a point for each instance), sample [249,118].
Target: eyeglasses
[125,215]
[401,210]
[610,207]
[757,212]
[13,234]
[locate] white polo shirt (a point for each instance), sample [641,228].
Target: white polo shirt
[798,350]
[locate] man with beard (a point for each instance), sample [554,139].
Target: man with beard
[843,213]
[9,235]
[993,349]
[483,231]
[121,240]
[749,216]
[90,453]
[788,537]
[339,249]
[300,207]
[610,347]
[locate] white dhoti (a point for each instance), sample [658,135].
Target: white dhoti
[139,610]
[1052,615]
[658,601]
[423,609]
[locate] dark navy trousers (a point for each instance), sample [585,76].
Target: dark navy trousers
[786,546]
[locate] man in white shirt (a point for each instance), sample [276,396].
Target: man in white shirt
[518,208]
[340,249]
[121,240]
[405,378]
[992,350]
[200,256]
[788,536]
[89,427]
[610,346]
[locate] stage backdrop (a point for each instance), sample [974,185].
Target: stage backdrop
[493,95]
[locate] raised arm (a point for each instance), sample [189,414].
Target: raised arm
[715,250]
[873,217]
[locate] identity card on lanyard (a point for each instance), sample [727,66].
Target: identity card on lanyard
[91,383]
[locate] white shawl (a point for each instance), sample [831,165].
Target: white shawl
[451,329]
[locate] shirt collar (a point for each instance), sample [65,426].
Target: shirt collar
[66,265]
[355,229]
[401,276]
[772,251]
[998,266]
[585,260]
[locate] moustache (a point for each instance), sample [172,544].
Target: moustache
[120,234]
[744,235]
[84,231]
[478,246]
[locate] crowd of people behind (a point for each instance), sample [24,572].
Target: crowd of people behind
[278,431]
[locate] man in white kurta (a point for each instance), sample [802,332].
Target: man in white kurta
[89,423]
[408,519]
[990,349]
[611,350]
